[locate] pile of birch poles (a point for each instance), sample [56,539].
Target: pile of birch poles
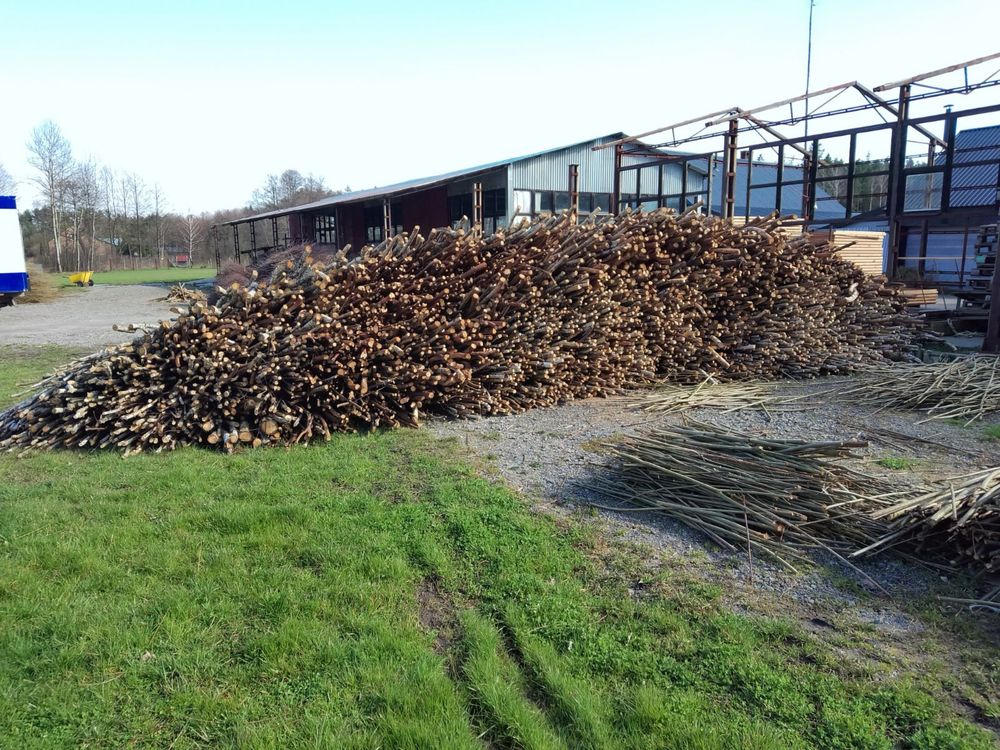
[761,495]
[457,324]
[965,387]
[783,497]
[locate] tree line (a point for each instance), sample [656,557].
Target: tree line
[91,217]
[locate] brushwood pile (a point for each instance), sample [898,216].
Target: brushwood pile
[457,324]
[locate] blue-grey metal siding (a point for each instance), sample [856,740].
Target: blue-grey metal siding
[550,171]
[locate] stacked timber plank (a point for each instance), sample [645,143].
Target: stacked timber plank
[456,324]
[865,249]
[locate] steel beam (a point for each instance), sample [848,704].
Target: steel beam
[775,105]
[869,94]
[938,72]
[630,138]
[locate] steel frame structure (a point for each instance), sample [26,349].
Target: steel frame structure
[910,194]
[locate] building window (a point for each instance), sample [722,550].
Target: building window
[375,222]
[543,201]
[590,202]
[459,207]
[494,209]
[326,232]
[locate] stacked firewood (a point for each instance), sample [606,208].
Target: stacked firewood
[457,324]
[181,293]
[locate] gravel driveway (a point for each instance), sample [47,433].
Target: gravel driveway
[84,318]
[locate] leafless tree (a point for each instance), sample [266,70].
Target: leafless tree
[289,188]
[52,156]
[135,189]
[88,186]
[108,196]
[158,224]
[268,195]
[189,232]
[8,185]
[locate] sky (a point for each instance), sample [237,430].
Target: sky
[206,98]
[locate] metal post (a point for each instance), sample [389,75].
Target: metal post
[709,181]
[684,185]
[991,343]
[386,219]
[965,250]
[922,258]
[574,189]
[729,184]
[810,212]
[616,199]
[274,232]
[218,249]
[896,198]
[849,192]
[477,207]
[253,242]
[236,241]
[746,213]
[950,123]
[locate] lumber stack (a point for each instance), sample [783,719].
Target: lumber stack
[865,249]
[457,324]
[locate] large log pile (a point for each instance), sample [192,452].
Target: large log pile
[455,324]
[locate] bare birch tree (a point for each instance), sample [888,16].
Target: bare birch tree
[156,194]
[52,156]
[8,185]
[136,190]
[89,191]
[190,232]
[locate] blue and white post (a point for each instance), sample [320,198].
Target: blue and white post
[13,271]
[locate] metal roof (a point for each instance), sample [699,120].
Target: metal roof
[410,186]
[975,186]
[971,187]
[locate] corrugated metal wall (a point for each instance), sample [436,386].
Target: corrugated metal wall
[550,171]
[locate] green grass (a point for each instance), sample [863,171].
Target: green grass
[144,276]
[375,592]
[897,463]
[992,432]
[22,366]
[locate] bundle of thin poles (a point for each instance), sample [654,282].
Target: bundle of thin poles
[956,520]
[967,387]
[772,496]
[712,393]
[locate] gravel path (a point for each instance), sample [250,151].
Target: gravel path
[84,318]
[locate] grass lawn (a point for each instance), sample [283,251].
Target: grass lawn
[375,592]
[144,276]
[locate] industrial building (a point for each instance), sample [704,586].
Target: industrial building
[496,195]
[493,195]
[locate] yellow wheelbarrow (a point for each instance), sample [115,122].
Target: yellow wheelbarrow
[83,278]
